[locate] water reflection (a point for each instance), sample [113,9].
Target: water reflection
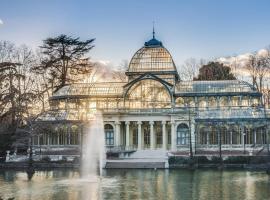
[136,184]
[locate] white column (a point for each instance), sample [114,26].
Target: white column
[127,135]
[152,139]
[164,136]
[139,135]
[173,137]
[117,133]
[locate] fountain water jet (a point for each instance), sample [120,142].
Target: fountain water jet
[93,154]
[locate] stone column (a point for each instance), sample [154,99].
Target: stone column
[127,134]
[139,123]
[173,136]
[117,133]
[164,136]
[152,139]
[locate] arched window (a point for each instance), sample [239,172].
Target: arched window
[212,102]
[245,101]
[74,140]
[223,101]
[148,94]
[236,136]
[109,135]
[182,134]
[202,102]
[203,132]
[235,100]
[179,102]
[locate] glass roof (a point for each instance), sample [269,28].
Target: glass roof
[152,59]
[213,86]
[92,89]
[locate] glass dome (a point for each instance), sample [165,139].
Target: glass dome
[153,57]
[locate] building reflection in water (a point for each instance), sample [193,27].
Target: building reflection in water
[136,184]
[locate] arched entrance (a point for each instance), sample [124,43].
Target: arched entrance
[109,135]
[182,134]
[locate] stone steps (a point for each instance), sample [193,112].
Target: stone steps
[141,159]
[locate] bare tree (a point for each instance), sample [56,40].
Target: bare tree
[18,95]
[258,67]
[119,73]
[190,68]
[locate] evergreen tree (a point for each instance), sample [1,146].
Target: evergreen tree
[64,59]
[215,71]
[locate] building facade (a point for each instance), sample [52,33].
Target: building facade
[154,109]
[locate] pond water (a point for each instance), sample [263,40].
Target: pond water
[136,184]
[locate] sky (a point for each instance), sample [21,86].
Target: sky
[188,28]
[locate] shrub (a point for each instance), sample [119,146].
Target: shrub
[179,160]
[216,159]
[237,160]
[46,159]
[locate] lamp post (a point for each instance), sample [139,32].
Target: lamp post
[189,124]
[244,142]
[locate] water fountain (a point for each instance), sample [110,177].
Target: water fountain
[93,148]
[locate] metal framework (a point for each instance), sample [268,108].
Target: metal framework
[155,109]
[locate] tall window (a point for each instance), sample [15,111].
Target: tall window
[109,135]
[182,134]
[159,135]
[146,137]
[135,137]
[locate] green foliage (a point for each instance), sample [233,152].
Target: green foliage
[215,159]
[63,59]
[46,159]
[178,160]
[202,159]
[6,141]
[237,160]
[76,160]
[215,71]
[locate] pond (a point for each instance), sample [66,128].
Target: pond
[136,184]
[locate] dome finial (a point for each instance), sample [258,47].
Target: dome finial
[153,29]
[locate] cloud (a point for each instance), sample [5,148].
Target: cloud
[239,62]
[1,22]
